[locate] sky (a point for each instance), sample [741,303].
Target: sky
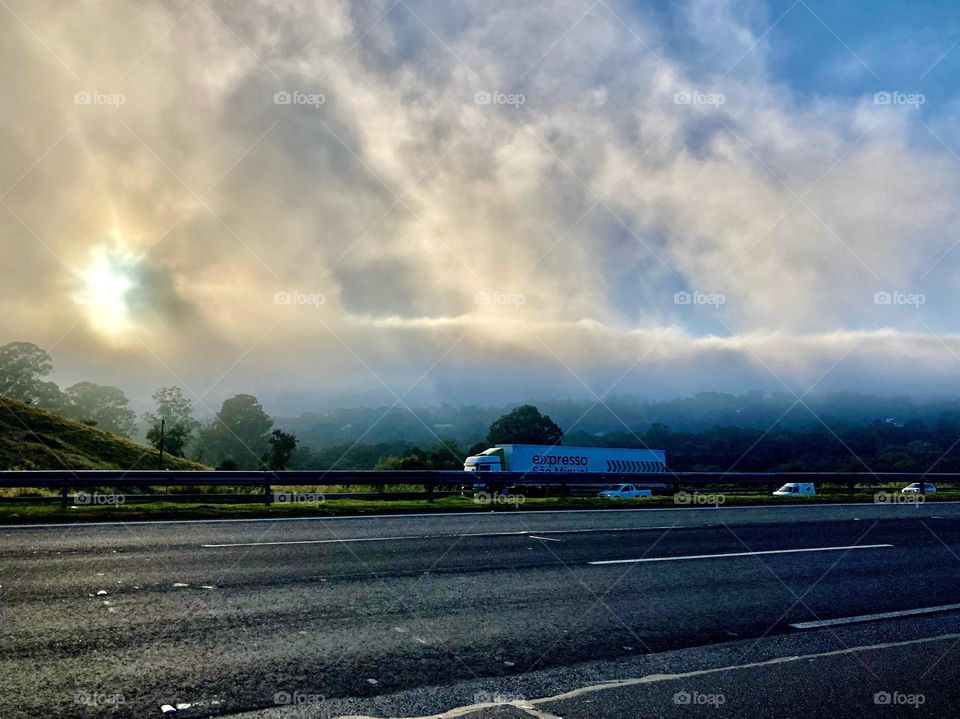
[482,201]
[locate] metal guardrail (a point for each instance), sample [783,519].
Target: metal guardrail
[217,497]
[157,477]
[64,480]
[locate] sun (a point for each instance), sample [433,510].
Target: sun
[105,286]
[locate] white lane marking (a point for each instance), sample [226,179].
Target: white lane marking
[740,554]
[627,529]
[313,541]
[658,678]
[874,617]
[440,536]
[478,513]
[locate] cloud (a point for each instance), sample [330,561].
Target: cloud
[518,189]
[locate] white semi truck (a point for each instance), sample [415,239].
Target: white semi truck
[562,458]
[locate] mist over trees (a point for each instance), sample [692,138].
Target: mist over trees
[524,425]
[172,421]
[707,431]
[100,406]
[23,366]
[239,434]
[445,455]
[282,445]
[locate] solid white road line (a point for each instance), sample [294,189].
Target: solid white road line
[626,529]
[312,541]
[740,554]
[529,705]
[437,536]
[874,617]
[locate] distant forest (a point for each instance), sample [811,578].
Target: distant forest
[709,431]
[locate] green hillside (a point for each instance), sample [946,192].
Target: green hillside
[32,438]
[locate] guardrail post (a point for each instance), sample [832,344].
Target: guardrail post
[267,494]
[429,486]
[64,497]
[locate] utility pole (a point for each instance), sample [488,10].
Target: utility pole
[163,423]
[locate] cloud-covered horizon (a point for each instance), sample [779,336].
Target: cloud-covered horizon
[474,201]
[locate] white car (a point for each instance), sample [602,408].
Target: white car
[792,489]
[625,491]
[915,488]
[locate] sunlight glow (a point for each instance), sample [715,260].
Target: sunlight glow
[106,282]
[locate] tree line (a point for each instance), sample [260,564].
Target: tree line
[240,435]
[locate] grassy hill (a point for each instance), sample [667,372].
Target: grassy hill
[32,438]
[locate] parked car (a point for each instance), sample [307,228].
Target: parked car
[792,489]
[915,488]
[625,491]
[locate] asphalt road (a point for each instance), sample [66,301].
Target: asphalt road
[500,615]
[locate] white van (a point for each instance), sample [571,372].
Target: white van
[793,489]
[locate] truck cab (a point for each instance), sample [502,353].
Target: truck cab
[490,460]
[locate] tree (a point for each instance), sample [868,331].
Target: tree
[414,458]
[23,366]
[524,425]
[174,437]
[176,410]
[238,432]
[282,445]
[49,396]
[445,455]
[477,448]
[103,406]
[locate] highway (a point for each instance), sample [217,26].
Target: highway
[730,612]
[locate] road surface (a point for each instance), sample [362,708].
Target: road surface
[711,612]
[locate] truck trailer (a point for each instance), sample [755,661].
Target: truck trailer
[562,458]
[533,458]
